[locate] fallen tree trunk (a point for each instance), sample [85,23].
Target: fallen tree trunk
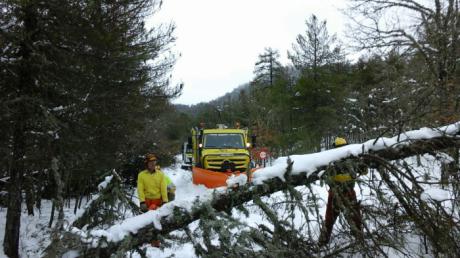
[246,193]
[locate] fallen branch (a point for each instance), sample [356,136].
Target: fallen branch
[225,201]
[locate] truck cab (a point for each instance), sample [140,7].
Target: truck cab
[221,149]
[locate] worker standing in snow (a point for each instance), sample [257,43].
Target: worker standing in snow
[152,185]
[342,196]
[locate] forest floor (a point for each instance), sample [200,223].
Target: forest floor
[35,232]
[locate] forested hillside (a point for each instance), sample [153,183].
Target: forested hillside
[299,107]
[85,90]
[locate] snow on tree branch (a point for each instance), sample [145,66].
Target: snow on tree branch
[141,229]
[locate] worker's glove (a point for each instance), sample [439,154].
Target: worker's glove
[143,207]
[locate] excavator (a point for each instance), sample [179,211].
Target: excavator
[216,154]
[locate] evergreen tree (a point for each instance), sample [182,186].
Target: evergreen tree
[20,85]
[319,106]
[78,88]
[315,49]
[320,89]
[379,102]
[266,67]
[268,72]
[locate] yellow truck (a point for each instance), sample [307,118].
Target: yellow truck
[218,153]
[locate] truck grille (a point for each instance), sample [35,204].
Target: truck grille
[215,162]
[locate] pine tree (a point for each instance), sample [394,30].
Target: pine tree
[319,90]
[267,67]
[315,49]
[19,72]
[80,82]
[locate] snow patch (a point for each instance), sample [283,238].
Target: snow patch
[237,180]
[71,254]
[58,108]
[444,158]
[105,183]
[435,194]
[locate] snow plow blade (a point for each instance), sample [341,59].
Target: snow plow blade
[212,179]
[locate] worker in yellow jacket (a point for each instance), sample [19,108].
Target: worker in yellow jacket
[152,185]
[341,179]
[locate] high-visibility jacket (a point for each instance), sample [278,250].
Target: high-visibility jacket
[344,174]
[342,178]
[152,185]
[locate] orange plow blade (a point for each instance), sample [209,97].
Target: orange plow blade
[212,179]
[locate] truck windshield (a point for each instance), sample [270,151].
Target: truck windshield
[223,140]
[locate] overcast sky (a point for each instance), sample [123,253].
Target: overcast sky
[220,40]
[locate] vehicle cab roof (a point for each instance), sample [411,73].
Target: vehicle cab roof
[205,131]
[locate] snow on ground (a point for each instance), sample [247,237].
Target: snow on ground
[35,231]
[302,163]
[187,191]
[186,194]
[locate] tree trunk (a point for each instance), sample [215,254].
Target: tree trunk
[53,208]
[59,199]
[25,83]
[13,215]
[30,194]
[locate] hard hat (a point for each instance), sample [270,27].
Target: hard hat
[150,157]
[339,142]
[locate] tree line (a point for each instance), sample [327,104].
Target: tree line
[406,77]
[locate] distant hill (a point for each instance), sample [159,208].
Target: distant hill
[191,110]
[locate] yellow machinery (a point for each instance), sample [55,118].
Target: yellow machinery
[217,154]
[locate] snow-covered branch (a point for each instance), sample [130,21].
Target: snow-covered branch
[143,228]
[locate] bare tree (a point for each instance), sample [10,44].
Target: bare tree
[429,29]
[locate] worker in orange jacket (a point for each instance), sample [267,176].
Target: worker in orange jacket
[342,197]
[152,185]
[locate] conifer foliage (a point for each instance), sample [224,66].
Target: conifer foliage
[79,82]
